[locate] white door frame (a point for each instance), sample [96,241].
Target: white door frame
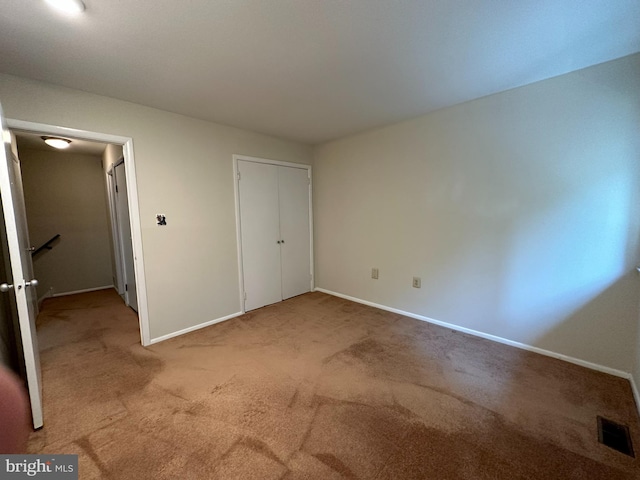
[134,206]
[236,187]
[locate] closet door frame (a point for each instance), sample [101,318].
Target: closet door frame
[236,184]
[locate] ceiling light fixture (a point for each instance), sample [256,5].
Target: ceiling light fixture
[67,6]
[56,142]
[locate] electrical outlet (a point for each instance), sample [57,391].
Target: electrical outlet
[374,273]
[417,283]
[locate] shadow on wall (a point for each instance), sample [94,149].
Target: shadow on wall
[566,258]
[600,321]
[542,243]
[539,253]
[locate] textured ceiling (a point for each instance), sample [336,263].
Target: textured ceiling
[311,70]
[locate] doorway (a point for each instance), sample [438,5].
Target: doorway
[128,163]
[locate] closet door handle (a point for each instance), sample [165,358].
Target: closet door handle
[282,241]
[278,242]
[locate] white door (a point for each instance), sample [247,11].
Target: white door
[124,226]
[294,231]
[22,285]
[118,280]
[260,233]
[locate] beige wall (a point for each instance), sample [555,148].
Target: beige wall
[112,153]
[184,170]
[520,211]
[64,194]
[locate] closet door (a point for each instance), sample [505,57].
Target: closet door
[259,226]
[294,231]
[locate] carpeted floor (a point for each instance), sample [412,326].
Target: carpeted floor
[316,388]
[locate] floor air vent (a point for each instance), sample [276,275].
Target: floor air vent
[615,435]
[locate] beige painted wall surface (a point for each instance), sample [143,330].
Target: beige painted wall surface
[112,153]
[184,169]
[520,211]
[64,193]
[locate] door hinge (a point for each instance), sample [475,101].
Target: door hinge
[238,176]
[126,287]
[245,295]
[116,188]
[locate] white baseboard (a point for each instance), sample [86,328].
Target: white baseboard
[524,346]
[86,290]
[195,327]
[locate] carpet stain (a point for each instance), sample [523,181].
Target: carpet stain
[336,464]
[195,409]
[219,388]
[365,350]
[201,345]
[403,411]
[448,393]
[173,393]
[85,444]
[260,447]
[293,400]
[151,365]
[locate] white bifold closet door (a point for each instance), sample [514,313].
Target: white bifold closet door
[275,233]
[295,250]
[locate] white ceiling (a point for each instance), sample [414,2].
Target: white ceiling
[311,70]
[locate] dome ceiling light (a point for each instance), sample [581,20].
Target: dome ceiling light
[55,142]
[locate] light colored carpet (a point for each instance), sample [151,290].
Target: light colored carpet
[316,388]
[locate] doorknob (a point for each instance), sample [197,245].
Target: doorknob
[31,249]
[4,287]
[32,283]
